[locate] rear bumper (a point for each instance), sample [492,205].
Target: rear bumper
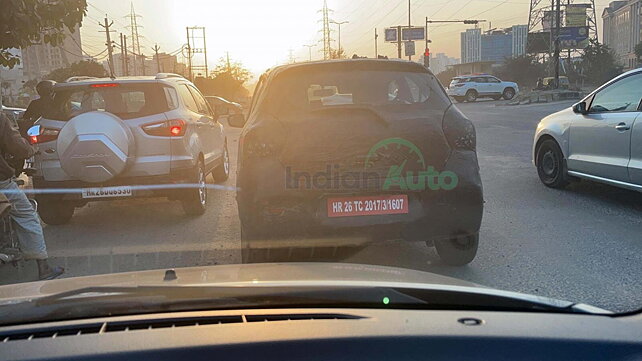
[432,214]
[456,92]
[145,186]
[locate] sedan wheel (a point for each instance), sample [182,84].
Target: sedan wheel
[550,165]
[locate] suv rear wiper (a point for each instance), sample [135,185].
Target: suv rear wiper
[108,301]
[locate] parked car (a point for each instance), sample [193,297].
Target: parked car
[223,106]
[107,139]
[469,88]
[367,147]
[599,138]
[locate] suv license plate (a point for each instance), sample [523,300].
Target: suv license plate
[367,206]
[107,192]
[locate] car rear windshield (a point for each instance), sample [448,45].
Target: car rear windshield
[126,101]
[312,88]
[459,80]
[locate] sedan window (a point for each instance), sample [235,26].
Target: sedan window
[621,96]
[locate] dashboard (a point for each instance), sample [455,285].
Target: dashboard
[329,334]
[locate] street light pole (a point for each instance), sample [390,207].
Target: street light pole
[309,50]
[339,23]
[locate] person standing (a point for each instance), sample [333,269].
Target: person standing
[24,216]
[37,107]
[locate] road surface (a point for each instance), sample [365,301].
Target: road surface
[582,244]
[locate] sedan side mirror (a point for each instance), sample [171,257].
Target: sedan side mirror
[580,108]
[236,120]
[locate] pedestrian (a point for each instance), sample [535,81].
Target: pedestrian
[23,214]
[38,106]
[540,84]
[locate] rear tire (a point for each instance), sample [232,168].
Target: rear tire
[194,201]
[55,212]
[471,96]
[458,251]
[551,167]
[222,172]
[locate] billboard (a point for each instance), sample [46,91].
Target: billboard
[538,43]
[407,34]
[574,37]
[570,38]
[414,33]
[391,34]
[576,15]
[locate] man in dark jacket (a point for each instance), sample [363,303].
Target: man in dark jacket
[37,107]
[24,216]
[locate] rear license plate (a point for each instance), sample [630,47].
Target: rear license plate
[367,206]
[107,192]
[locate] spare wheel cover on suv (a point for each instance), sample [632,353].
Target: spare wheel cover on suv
[95,147]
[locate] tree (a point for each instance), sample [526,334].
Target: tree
[638,52]
[598,63]
[227,81]
[28,22]
[446,75]
[524,70]
[337,54]
[81,68]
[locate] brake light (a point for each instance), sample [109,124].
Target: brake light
[46,135]
[104,85]
[170,128]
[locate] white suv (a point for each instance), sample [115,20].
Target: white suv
[470,87]
[106,139]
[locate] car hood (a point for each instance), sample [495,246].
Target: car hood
[265,275]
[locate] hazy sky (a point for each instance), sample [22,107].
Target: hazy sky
[260,33]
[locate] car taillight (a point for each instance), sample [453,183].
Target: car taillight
[459,130]
[170,128]
[46,135]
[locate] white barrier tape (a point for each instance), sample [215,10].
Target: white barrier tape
[133,188]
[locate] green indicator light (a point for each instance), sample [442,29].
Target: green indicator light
[386,300]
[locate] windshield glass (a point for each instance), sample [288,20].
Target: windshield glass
[360,142]
[308,89]
[459,81]
[124,100]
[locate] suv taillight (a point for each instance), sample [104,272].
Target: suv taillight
[170,128]
[46,135]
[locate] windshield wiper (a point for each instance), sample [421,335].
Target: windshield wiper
[109,301]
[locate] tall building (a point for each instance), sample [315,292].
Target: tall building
[471,46]
[519,38]
[440,62]
[41,59]
[622,30]
[493,46]
[496,46]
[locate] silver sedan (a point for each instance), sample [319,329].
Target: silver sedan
[599,138]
